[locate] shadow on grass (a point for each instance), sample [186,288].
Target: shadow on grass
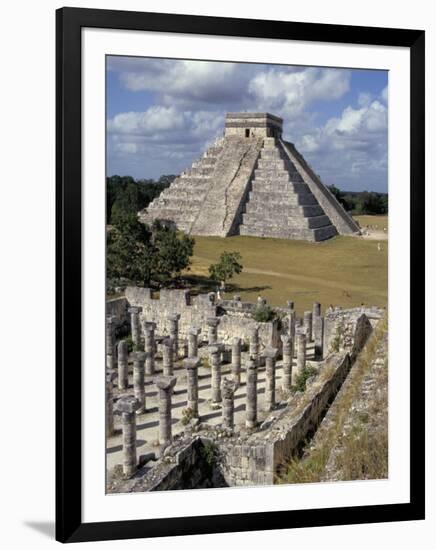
[199,284]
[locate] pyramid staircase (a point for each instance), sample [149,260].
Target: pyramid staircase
[280,204]
[179,204]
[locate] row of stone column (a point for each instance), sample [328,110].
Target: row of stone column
[313,327]
[141,359]
[222,392]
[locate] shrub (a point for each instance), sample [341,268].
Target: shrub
[129,343]
[187,416]
[302,377]
[209,452]
[263,314]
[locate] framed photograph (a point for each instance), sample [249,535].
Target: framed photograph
[240,275]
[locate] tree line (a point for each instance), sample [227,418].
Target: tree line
[361,202]
[125,195]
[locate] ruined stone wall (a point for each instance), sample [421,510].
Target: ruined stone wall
[195,310]
[340,326]
[117,307]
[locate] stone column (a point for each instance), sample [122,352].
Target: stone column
[287,362]
[134,324]
[291,331]
[301,354]
[290,304]
[174,334]
[254,343]
[127,406]
[251,403]
[215,361]
[165,385]
[318,336]
[236,360]
[308,325]
[316,310]
[192,364]
[110,377]
[138,379]
[193,341]
[212,330]
[149,347]
[270,371]
[123,365]
[228,388]
[111,359]
[168,356]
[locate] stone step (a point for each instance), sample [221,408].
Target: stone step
[262,217]
[271,164]
[275,153]
[202,171]
[266,188]
[284,208]
[214,151]
[280,232]
[290,198]
[277,174]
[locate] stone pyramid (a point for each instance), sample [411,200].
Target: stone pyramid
[251,182]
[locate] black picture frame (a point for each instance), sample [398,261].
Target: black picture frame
[69,22]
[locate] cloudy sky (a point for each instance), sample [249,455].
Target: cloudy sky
[161,115]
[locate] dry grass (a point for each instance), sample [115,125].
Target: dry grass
[346,271]
[377,222]
[363,449]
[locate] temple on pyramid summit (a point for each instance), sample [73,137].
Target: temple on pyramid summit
[251,182]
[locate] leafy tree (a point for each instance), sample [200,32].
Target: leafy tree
[172,251]
[139,254]
[228,265]
[130,250]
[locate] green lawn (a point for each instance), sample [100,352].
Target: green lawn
[344,271]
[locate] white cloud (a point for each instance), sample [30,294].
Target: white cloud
[190,99]
[356,142]
[290,91]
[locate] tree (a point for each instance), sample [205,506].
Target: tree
[228,265]
[130,250]
[172,252]
[142,255]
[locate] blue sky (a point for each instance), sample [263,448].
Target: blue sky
[162,114]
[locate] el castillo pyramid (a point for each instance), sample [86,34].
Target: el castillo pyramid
[251,182]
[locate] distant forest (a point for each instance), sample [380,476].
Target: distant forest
[361,202]
[125,195]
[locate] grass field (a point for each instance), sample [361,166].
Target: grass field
[378,222]
[344,271]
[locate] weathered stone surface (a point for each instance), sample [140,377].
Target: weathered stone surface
[215,361]
[251,402]
[123,365]
[287,362]
[139,379]
[270,372]
[191,365]
[149,346]
[228,390]
[127,406]
[301,352]
[165,385]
